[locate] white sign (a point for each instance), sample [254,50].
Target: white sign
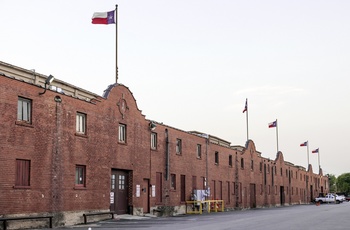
[138,190]
[153,191]
[111,197]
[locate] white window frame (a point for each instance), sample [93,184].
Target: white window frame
[24,112]
[80,123]
[178,146]
[199,151]
[122,133]
[153,140]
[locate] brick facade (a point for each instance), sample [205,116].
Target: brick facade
[54,148]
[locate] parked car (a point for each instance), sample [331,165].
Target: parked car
[329,198]
[347,198]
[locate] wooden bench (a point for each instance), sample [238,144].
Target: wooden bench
[5,219]
[96,213]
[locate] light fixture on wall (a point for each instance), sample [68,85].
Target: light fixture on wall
[47,82]
[152,125]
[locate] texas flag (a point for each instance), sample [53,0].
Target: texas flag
[273,124]
[315,151]
[103,18]
[304,144]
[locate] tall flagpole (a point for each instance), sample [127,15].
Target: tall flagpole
[116,44]
[319,165]
[277,134]
[308,162]
[245,110]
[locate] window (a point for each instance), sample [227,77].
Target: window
[216,158]
[22,173]
[153,140]
[24,110]
[121,182]
[260,166]
[80,172]
[242,163]
[122,133]
[230,160]
[81,123]
[178,146]
[173,181]
[199,151]
[252,165]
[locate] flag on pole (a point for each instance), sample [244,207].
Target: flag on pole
[304,144]
[246,106]
[315,151]
[273,124]
[103,18]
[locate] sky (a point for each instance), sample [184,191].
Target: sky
[192,64]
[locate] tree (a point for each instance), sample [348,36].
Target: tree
[343,183]
[332,183]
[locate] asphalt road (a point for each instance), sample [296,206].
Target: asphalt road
[299,217]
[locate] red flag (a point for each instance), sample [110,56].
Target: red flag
[273,124]
[246,105]
[315,151]
[304,144]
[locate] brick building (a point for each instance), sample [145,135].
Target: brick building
[66,151]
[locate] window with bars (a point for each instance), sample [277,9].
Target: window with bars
[81,123]
[22,173]
[24,110]
[80,175]
[122,133]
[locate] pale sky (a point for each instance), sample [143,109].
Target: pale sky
[192,63]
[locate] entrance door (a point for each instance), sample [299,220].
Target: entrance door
[119,192]
[282,195]
[252,196]
[145,195]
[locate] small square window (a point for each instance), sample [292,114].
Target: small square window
[153,140]
[122,133]
[81,123]
[24,111]
[22,173]
[178,146]
[80,172]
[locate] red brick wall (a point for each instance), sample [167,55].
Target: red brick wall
[54,149]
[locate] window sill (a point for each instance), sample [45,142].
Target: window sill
[79,188]
[24,123]
[21,187]
[81,135]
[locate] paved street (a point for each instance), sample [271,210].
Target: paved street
[323,217]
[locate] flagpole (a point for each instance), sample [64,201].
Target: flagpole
[116,44]
[319,165]
[277,135]
[308,162]
[247,120]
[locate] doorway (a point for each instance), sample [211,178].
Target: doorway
[119,192]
